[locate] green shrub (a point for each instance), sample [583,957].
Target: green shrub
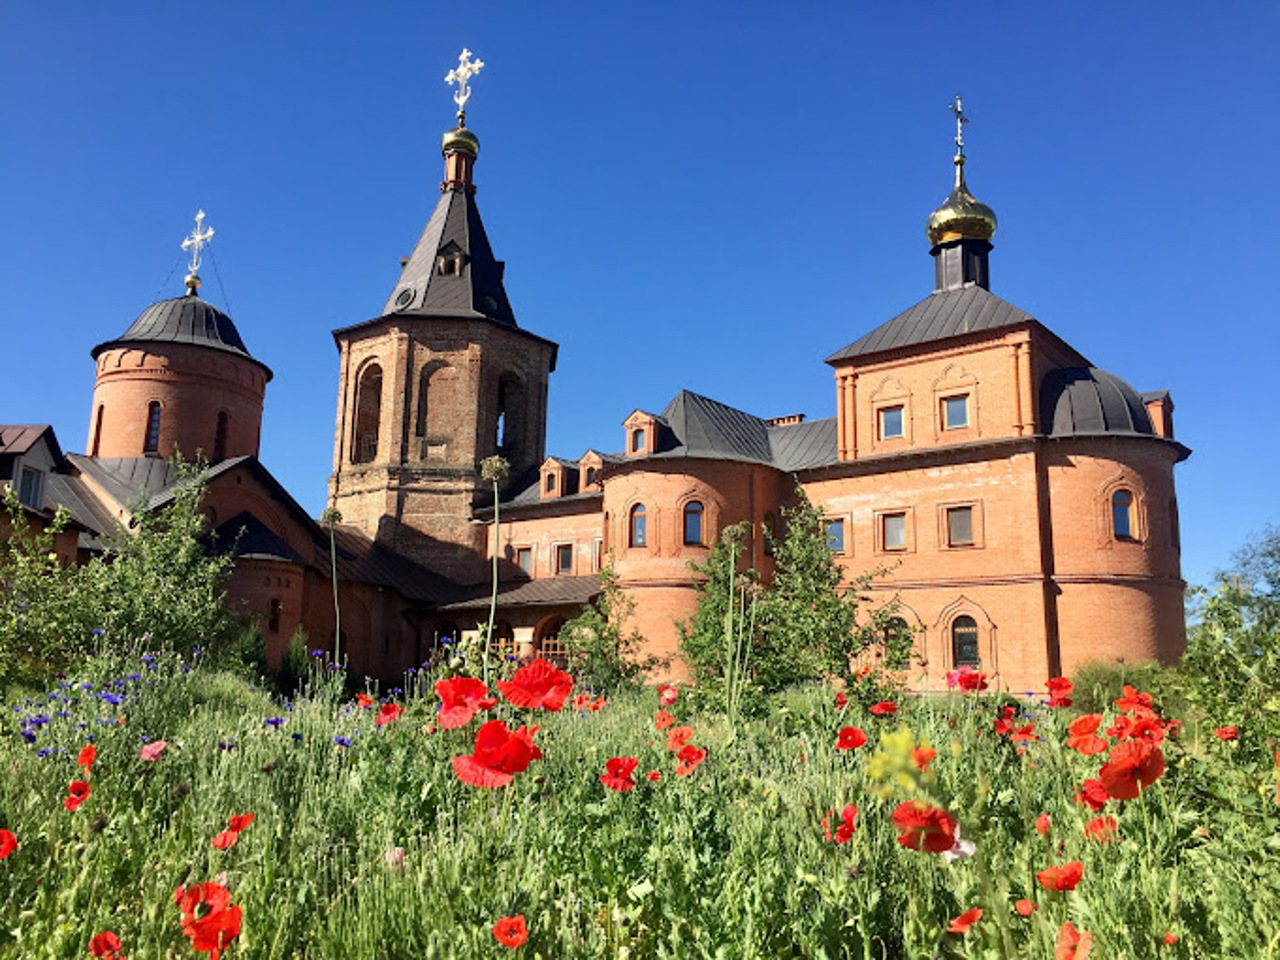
[603,655]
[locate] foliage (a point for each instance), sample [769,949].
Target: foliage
[366,844]
[603,655]
[294,664]
[160,579]
[1233,649]
[803,626]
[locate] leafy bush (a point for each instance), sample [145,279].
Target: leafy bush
[160,579]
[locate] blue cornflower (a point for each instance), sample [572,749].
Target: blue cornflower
[197,653]
[64,714]
[317,653]
[112,698]
[296,736]
[411,671]
[226,744]
[37,720]
[274,721]
[342,741]
[97,631]
[398,691]
[44,752]
[134,677]
[148,659]
[29,735]
[86,686]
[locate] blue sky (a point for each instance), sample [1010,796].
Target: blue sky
[703,196]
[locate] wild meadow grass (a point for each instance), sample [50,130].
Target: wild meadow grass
[365,843]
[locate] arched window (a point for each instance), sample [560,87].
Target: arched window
[591,475]
[550,484]
[693,523]
[510,413]
[637,526]
[897,642]
[97,431]
[364,446]
[273,618]
[220,437]
[1122,514]
[964,642]
[151,442]
[637,440]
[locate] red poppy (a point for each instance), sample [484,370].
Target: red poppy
[1072,944]
[617,773]
[462,697]
[1228,732]
[965,921]
[499,755]
[1060,690]
[1092,794]
[389,713]
[851,738]
[924,827]
[689,757]
[598,704]
[667,695]
[1004,721]
[1140,728]
[227,838]
[1024,908]
[1061,878]
[1131,767]
[1169,938]
[883,708]
[922,757]
[581,701]
[364,701]
[1023,734]
[208,917]
[105,944]
[151,752]
[8,843]
[678,737]
[1042,824]
[77,793]
[1133,701]
[87,756]
[967,679]
[1084,734]
[537,684]
[1102,829]
[240,821]
[841,701]
[653,776]
[511,931]
[663,720]
[844,828]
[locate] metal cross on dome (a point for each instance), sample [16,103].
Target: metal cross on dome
[958,109]
[464,71]
[197,240]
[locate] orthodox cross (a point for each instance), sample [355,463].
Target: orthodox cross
[958,109]
[199,237]
[464,71]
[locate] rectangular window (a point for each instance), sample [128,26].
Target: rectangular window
[890,423]
[960,526]
[31,489]
[955,412]
[835,535]
[551,483]
[597,554]
[564,558]
[893,531]
[524,559]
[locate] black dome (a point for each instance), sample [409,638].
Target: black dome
[183,320]
[1076,401]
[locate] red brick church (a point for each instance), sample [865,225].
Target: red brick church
[1022,498]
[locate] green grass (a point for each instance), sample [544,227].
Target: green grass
[727,862]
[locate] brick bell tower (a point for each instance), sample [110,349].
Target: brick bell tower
[442,379]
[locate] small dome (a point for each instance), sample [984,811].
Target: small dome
[1080,401]
[962,215]
[183,320]
[460,138]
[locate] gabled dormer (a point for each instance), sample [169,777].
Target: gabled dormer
[557,478]
[642,434]
[28,454]
[589,466]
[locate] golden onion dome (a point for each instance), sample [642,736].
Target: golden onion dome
[460,139]
[962,215]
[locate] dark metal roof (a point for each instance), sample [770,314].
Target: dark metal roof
[17,439]
[253,539]
[363,560]
[804,445]
[455,233]
[131,479]
[187,320]
[1077,401]
[545,592]
[71,491]
[941,315]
